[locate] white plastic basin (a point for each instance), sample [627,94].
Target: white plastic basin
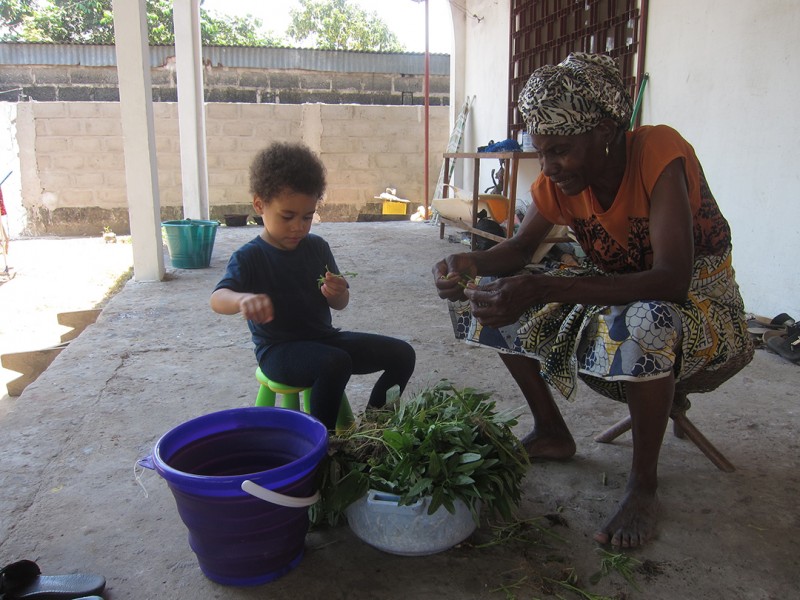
[381,522]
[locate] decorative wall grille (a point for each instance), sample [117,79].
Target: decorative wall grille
[544,32]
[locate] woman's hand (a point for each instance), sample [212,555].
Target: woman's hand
[452,274]
[456,271]
[501,302]
[257,308]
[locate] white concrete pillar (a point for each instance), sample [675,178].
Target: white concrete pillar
[458,77]
[457,60]
[191,115]
[138,131]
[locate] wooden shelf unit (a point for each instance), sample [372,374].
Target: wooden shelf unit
[510,163]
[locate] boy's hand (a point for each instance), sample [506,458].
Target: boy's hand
[334,285]
[257,308]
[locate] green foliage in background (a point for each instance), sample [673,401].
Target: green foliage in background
[339,25]
[92,22]
[320,24]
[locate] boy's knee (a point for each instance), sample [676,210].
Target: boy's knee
[336,363]
[406,354]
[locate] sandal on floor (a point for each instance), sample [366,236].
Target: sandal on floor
[756,329]
[771,333]
[781,321]
[23,580]
[787,345]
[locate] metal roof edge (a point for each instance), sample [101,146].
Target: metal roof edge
[104,55]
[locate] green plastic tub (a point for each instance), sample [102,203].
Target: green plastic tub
[190,242]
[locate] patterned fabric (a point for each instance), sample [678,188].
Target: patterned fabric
[574,95]
[608,345]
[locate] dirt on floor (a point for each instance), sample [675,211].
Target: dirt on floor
[71,498]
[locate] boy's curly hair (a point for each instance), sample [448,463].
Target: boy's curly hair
[286,165]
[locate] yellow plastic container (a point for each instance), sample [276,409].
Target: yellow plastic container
[390,207]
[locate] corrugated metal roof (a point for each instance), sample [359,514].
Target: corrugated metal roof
[12,53]
[95,55]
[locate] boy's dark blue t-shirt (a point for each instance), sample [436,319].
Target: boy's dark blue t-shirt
[289,278]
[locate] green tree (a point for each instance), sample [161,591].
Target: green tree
[13,13]
[339,25]
[225,30]
[86,21]
[92,22]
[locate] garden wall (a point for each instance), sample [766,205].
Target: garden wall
[71,163]
[362,111]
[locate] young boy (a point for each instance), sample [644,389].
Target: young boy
[285,283]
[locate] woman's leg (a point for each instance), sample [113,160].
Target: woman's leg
[649,403]
[322,367]
[550,437]
[372,353]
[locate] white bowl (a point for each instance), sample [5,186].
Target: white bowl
[381,522]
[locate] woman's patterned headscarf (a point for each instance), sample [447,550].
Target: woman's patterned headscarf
[574,95]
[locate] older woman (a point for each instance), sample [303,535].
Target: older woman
[655,302]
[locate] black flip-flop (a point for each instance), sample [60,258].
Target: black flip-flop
[781,321]
[23,580]
[787,345]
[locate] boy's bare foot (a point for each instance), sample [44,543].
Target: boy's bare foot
[634,523]
[552,446]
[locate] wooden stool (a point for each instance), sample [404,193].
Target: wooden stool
[704,381]
[290,398]
[682,428]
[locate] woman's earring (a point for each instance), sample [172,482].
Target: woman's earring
[607,148]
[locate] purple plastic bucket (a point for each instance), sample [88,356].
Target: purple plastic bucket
[208,462]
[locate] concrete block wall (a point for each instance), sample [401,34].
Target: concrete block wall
[81,83]
[73,171]
[370,148]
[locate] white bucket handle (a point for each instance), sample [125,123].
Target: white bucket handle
[263,493]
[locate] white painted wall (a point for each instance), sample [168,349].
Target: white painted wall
[725,74]
[486,68]
[486,79]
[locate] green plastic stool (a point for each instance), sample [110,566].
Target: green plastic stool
[290,398]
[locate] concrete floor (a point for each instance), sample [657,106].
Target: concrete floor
[73,499]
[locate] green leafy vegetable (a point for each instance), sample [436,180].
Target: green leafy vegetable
[321,278]
[463,280]
[616,562]
[446,443]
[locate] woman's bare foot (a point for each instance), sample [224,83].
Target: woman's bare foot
[634,523]
[549,446]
